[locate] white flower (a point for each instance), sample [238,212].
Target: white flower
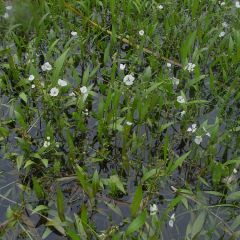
[172,220]
[141,32]
[74,34]
[198,140]
[207,133]
[46,144]
[153,209]
[54,92]
[72,94]
[229,179]
[86,112]
[9,7]
[193,128]
[33,86]
[221,3]
[42,84]
[83,90]
[175,81]
[62,83]
[122,66]
[224,24]
[170,223]
[235,171]
[6,15]
[237,4]
[169,65]
[181,99]
[129,79]
[173,188]
[129,123]
[48,138]
[160,7]
[190,67]
[31,78]
[102,236]
[221,34]
[46,67]
[182,113]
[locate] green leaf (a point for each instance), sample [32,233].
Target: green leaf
[136,201]
[115,179]
[57,225]
[195,6]
[153,87]
[28,163]
[236,223]
[51,48]
[58,66]
[217,170]
[149,174]
[23,96]
[85,76]
[39,209]
[83,181]
[45,162]
[198,224]
[187,46]
[148,74]
[234,196]
[114,208]
[171,168]
[46,233]
[19,162]
[214,193]
[136,224]
[38,189]
[107,54]
[60,204]
[80,227]
[73,235]
[95,182]
[20,119]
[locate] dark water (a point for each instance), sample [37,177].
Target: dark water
[102,216]
[8,188]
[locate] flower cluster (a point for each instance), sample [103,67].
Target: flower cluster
[47,143]
[190,67]
[6,14]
